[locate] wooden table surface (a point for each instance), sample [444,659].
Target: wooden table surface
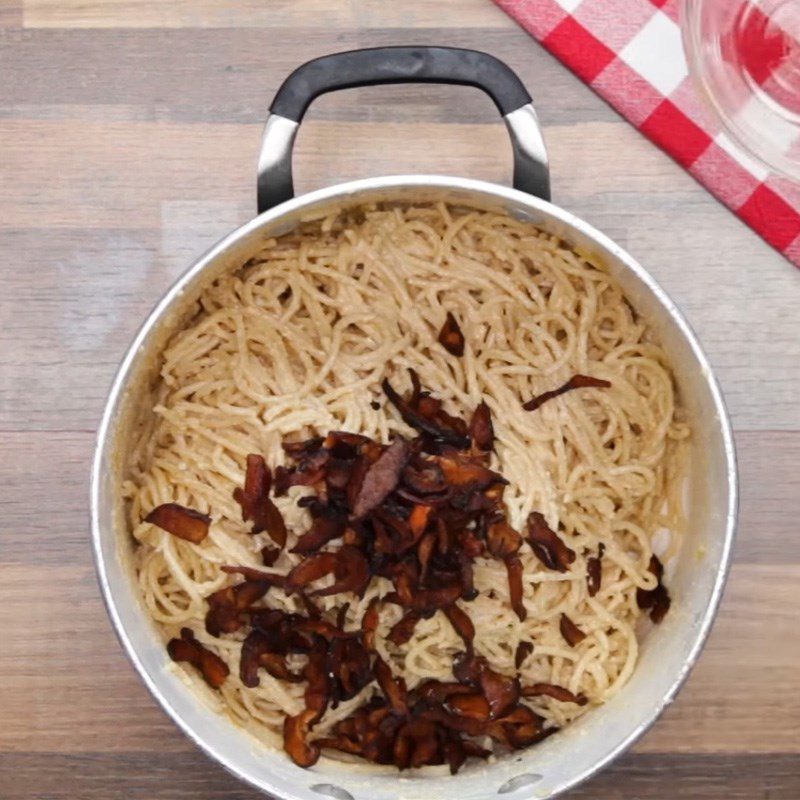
[128,136]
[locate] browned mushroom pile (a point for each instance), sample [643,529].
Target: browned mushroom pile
[416,512]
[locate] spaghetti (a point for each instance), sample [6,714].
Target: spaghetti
[298,343]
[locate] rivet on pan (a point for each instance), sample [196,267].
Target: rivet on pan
[519,782]
[329,790]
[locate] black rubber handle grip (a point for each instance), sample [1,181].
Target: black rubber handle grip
[384,65]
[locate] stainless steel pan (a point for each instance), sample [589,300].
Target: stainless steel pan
[697,574]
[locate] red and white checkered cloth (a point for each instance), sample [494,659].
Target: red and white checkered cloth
[630,52]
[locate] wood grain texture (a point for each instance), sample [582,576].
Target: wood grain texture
[10,13]
[129,131]
[137,776]
[275,14]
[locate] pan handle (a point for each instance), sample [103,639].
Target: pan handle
[384,65]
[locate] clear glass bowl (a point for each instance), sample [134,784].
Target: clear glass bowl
[745,56]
